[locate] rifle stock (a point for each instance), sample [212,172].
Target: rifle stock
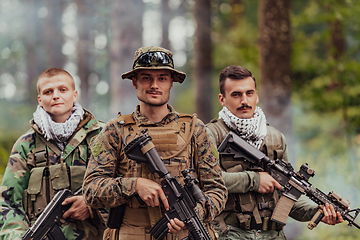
[294,183]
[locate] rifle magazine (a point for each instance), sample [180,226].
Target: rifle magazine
[160,229]
[282,210]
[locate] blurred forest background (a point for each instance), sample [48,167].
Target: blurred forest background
[304,54]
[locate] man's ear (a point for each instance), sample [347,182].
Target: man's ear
[222,99]
[39,100]
[75,95]
[134,82]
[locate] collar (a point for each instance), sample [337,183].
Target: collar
[172,115]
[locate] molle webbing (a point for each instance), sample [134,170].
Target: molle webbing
[251,206]
[172,141]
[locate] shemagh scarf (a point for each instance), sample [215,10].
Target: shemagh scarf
[59,132]
[252,130]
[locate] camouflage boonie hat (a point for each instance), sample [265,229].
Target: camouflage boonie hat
[154,58]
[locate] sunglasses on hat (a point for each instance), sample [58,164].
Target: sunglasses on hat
[153,59]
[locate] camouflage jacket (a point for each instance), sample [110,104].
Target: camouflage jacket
[242,182]
[13,218]
[102,190]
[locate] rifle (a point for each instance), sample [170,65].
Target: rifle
[49,221]
[294,184]
[182,199]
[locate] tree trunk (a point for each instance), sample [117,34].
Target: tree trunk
[275,81]
[32,56]
[53,36]
[165,21]
[126,32]
[203,60]
[337,40]
[84,26]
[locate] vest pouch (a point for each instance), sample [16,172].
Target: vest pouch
[76,177]
[34,197]
[59,177]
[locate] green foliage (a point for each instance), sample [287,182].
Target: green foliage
[15,119]
[326,84]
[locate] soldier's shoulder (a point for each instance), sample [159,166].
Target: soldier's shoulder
[28,136]
[273,132]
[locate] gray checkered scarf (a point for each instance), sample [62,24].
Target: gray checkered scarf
[59,132]
[252,130]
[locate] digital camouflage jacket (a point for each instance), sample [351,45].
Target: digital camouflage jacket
[14,221]
[102,190]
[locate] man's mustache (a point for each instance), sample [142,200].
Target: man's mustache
[244,106]
[156,92]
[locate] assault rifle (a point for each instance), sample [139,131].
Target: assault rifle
[182,199]
[49,221]
[294,184]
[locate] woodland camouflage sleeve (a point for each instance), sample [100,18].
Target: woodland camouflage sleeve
[13,220]
[209,173]
[100,188]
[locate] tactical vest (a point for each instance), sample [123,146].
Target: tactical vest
[242,208]
[46,180]
[174,143]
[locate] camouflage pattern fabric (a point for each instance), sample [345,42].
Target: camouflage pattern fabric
[13,219]
[245,181]
[238,233]
[102,190]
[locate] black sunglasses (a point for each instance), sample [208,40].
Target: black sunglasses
[153,58]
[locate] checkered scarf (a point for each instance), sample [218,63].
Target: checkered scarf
[252,130]
[59,132]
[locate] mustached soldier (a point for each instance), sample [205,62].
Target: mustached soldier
[252,192]
[180,139]
[49,157]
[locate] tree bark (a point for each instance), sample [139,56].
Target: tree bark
[126,37]
[32,57]
[53,36]
[84,26]
[203,60]
[275,52]
[165,22]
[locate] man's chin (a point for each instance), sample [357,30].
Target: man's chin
[154,103]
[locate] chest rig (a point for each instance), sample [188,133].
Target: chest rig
[174,143]
[51,174]
[250,210]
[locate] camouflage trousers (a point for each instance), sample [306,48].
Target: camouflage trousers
[238,233]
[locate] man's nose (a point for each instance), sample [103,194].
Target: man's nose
[56,94]
[243,99]
[154,83]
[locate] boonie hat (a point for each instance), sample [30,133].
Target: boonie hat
[154,58]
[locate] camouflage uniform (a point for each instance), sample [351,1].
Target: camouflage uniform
[14,220]
[246,181]
[102,190]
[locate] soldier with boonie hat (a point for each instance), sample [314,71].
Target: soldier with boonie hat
[112,179]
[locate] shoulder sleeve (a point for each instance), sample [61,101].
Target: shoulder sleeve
[101,189]
[241,182]
[303,210]
[209,173]
[13,219]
